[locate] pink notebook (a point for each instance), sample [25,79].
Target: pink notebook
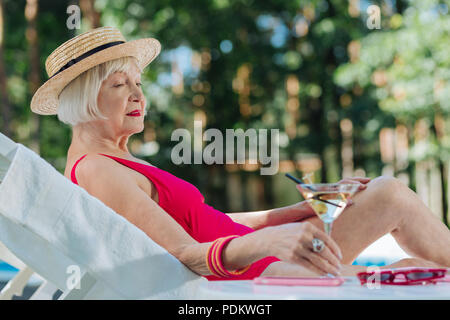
[301,281]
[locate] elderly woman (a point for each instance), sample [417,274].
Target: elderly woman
[95,86]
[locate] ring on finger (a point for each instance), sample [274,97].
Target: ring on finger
[318,245]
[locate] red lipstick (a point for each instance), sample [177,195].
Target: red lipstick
[134,113]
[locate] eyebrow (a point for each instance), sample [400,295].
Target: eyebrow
[123,73]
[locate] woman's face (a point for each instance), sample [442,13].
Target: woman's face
[119,95]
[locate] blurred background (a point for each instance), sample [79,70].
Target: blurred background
[356,88]
[349,99]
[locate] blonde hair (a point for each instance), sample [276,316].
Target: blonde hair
[78,100]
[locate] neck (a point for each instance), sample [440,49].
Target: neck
[87,138]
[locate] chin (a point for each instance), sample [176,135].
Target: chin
[134,130]
[140,129]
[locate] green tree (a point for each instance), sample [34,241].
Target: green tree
[404,68]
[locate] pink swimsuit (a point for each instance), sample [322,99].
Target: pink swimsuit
[184,202]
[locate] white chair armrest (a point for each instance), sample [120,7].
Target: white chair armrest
[7,151]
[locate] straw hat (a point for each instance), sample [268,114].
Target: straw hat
[83,52]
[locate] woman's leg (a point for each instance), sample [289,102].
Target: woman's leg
[389,206]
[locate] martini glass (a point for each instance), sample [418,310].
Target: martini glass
[328,200]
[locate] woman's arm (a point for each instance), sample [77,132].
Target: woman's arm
[273,217]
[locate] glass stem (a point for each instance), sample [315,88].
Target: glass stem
[327,227]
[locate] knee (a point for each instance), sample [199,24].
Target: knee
[387,186]
[386,189]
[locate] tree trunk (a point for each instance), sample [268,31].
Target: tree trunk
[31,11]
[88,10]
[5,107]
[441,130]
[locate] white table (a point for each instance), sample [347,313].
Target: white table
[350,290]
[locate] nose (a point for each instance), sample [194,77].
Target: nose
[136,94]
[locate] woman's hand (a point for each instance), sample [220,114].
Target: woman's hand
[292,243]
[359,180]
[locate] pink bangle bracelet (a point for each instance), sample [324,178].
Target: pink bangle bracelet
[214,259]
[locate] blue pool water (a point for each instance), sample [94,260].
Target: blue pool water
[7,271]
[371,262]
[6,267]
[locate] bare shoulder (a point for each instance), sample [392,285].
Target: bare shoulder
[112,183]
[95,169]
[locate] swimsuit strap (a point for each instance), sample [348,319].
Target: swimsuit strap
[72,174]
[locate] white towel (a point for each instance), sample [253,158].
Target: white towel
[51,224]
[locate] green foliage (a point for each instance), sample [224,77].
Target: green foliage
[406,69]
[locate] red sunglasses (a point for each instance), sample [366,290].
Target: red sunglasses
[403,276]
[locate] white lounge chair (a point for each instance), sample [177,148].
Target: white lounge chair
[74,241]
